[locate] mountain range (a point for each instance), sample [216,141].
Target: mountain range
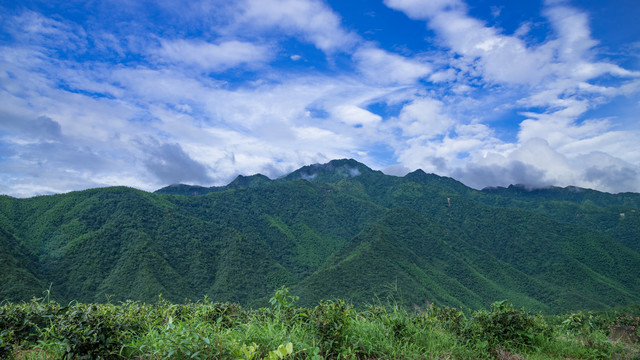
[334,230]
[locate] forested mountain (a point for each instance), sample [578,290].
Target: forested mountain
[332,230]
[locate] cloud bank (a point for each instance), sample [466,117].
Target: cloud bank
[145,97]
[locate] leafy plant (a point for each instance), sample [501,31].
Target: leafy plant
[582,324]
[246,352]
[627,320]
[450,318]
[224,314]
[281,300]
[5,347]
[23,322]
[507,327]
[331,330]
[90,331]
[331,318]
[281,352]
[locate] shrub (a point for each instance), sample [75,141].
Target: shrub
[331,318]
[451,319]
[507,327]
[627,320]
[24,322]
[583,324]
[226,315]
[90,332]
[5,347]
[190,340]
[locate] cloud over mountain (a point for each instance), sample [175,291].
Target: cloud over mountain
[544,92]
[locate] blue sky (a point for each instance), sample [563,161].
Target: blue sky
[150,93]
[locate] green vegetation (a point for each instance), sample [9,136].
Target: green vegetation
[43,329]
[333,231]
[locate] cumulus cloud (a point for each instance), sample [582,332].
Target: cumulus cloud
[558,75]
[396,170]
[478,104]
[42,128]
[538,154]
[463,144]
[507,58]
[536,164]
[39,165]
[559,130]
[498,57]
[424,117]
[613,178]
[513,172]
[170,164]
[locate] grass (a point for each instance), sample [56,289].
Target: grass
[331,330]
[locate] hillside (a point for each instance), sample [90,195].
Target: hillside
[328,230]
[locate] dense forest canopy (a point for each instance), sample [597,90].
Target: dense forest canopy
[335,230]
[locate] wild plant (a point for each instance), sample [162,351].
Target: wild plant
[331,319]
[506,327]
[22,324]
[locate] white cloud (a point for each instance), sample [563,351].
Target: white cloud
[96,122]
[535,163]
[424,118]
[508,59]
[172,165]
[499,58]
[212,57]
[556,77]
[310,19]
[574,139]
[574,39]
[538,154]
[396,170]
[621,143]
[605,172]
[354,115]
[462,145]
[443,76]
[34,30]
[559,130]
[383,67]
[423,9]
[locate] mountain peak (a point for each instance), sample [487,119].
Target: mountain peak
[417,174]
[442,182]
[333,171]
[248,181]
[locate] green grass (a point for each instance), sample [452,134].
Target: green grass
[42,329]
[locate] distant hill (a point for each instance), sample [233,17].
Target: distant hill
[329,230]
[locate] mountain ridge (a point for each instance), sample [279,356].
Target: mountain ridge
[329,230]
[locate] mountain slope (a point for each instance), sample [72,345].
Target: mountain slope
[338,229]
[21,276]
[414,260]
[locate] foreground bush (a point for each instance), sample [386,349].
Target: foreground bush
[505,326]
[330,330]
